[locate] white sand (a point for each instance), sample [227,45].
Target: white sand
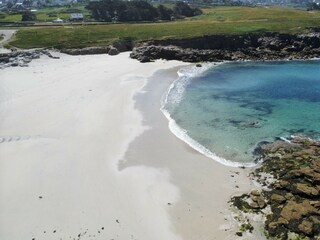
[65,125]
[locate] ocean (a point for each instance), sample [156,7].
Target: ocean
[225,110]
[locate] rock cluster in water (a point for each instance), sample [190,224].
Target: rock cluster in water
[254,46]
[293,197]
[22,58]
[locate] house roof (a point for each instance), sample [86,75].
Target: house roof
[76,15]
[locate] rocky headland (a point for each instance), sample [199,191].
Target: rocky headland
[289,197]
[252,46]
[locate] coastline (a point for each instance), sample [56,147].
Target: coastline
[185,75]
[264,46]
[215,48]
[205,185]
[174,191]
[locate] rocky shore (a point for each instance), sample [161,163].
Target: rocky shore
[22,58]
[215,48]
[289,197]
[253,46]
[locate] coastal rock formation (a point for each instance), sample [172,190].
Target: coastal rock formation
[294,196]
[254,46]
[86,51]
[113,51]
[22,58]
[116,48]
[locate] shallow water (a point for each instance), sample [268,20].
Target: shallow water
[229,108]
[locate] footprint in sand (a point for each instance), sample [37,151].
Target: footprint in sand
[9,139]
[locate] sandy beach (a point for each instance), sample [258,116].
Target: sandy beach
[86,153]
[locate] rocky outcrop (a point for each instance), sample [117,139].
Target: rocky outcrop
[114,49]
[294,198]
[258,46]
[22,58]
[86,51]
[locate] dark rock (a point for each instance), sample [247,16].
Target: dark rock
[239,234]
[21,58]
[113,51]
[123,45]
[86,51]
[294,198]
[255,46]
[144,59]
[4,59]
[246,227]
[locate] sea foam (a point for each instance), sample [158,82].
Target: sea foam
[174,95]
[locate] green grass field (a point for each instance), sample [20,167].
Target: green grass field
[48,14]
[220,20]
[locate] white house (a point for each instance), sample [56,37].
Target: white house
[76,17]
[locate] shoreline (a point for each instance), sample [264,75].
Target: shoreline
[205,185]
[186,74]
[264,46]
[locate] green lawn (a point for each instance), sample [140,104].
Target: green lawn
[220,20]
[49,13]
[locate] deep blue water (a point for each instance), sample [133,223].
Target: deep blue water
[231,107]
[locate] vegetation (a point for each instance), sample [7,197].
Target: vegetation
[1,37]
[315,6]
[28,16]
[48,13]
[128,11]
[220,20]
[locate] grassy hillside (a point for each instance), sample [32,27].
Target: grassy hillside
[220,20]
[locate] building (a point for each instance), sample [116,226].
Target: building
[76,17]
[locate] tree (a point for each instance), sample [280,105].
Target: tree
[164,13]
[28,16]
[106,10]
[137,10]
[183,9]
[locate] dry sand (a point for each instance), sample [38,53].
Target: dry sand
[82,158]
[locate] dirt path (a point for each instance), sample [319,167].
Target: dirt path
[7,34]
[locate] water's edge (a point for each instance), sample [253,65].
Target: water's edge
[186,75]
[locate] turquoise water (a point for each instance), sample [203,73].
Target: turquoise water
[229,108]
